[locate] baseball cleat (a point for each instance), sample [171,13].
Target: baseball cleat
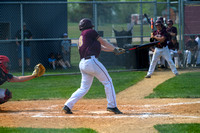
[67,110]
[148,76]
[176,74]
[114,110]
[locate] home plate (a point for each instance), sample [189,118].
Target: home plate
[99,112]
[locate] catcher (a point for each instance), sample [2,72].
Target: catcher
[5,94]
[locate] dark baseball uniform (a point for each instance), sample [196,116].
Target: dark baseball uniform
[173,30]
[160,34]
[90,67]
[191,48]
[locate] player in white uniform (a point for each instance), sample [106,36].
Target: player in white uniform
[90,45]
[161,49]
[198,51]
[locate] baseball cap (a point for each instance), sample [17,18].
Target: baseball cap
[65,34]
[24,23]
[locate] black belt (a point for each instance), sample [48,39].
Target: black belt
[160,46]
[88,57]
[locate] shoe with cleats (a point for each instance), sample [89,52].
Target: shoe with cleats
[148,76]
[114,110]
[67,110]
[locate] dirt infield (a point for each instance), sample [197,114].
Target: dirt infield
[140,115]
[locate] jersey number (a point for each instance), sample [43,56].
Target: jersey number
[80,41]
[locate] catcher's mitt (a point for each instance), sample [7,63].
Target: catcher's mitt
[118,51]
[39,70]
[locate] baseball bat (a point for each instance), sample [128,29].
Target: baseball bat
[152,25]
[147,45]
[148,20]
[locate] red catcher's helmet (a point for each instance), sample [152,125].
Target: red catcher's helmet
[4,63]
[85,23]
[169,21]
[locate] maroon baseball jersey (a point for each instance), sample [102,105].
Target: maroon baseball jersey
[173,30]
[173,46]
[160,34]
[191,45]
[88,44]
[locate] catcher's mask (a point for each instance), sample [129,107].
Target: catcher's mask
[4,63]
[85,23]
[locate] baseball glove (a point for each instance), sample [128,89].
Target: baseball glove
[39,70]
[118,51]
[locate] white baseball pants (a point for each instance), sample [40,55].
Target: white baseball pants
[91,68]
[164,52]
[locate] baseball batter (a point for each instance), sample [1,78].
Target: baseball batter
[161,49]
[5,94]
[90,45]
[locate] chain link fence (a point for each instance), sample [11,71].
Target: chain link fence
[121,23]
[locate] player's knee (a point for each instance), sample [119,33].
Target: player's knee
[5,95]
[107,82]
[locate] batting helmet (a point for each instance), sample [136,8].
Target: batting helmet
[4,63]
[161,19]
[169,21]
[85,23]
[158,22]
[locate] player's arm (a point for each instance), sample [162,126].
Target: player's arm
[105,46]
[39,70]
[22,78]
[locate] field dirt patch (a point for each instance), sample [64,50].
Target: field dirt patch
[140,115]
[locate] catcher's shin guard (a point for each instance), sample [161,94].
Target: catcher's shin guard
[5,95]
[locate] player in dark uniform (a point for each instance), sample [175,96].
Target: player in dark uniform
[5,94]
[174,51]
[191,48]
[90,45]
[171,29]
[161,61]
[160,50]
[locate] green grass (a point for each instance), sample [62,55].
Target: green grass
[45,130]
[49,87]
[183,86]
[178,128]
